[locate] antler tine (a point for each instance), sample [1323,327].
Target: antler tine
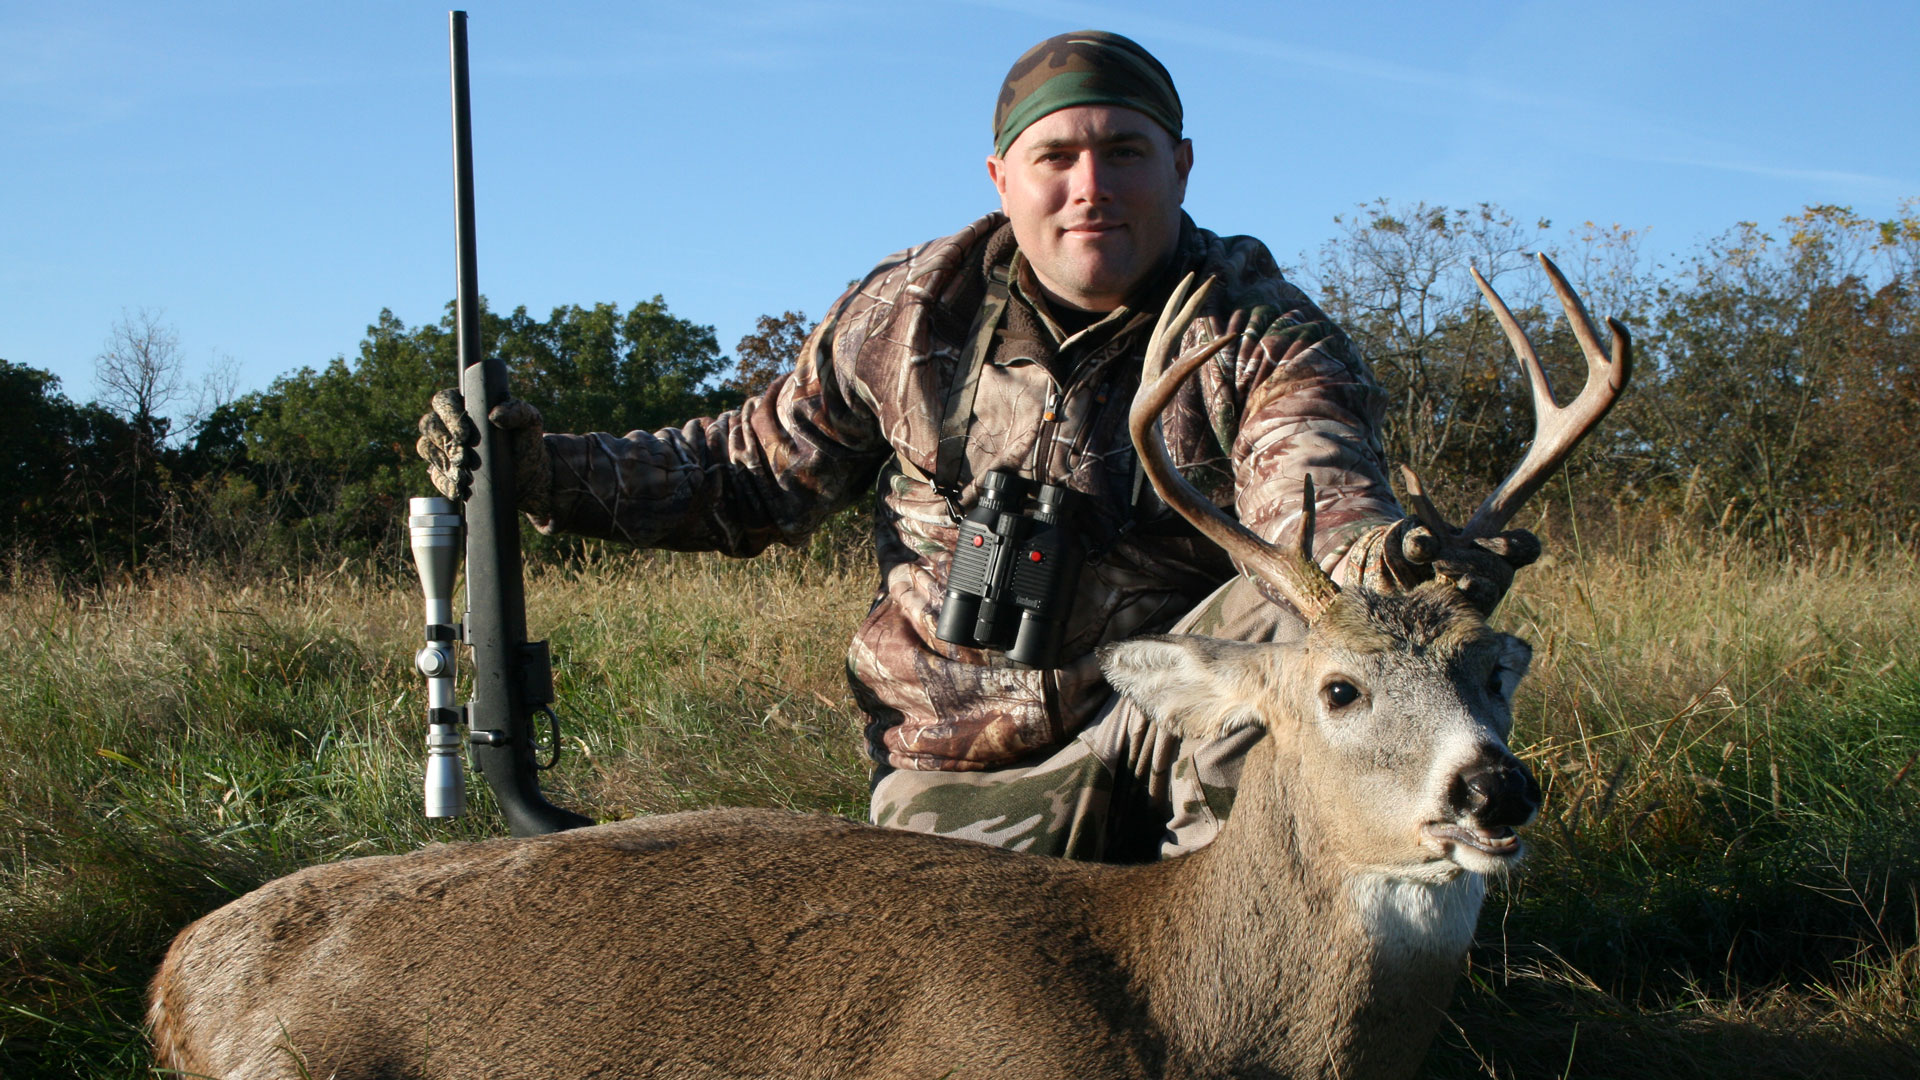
[1522,346]
[1423,508]
[1303,544]
[1556,430]
[1157,345]
[1293,573]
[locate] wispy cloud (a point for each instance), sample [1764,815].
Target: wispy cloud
[1865,183]
[1319,58]
[1641,138]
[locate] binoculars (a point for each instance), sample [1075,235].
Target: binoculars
[1011,581]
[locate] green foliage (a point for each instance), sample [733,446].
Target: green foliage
[69,476]
[1777,395]
[596,369]
[769,352]
[329,458]
[330,452]
[41,434]
[1777,386]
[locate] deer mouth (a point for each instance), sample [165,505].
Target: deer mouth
[1500,841]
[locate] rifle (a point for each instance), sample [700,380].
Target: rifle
[512,677]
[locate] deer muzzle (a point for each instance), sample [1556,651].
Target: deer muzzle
[1488,801]
[1496,794]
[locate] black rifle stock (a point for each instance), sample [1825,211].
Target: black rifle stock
[512,677]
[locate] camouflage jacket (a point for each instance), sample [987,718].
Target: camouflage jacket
[865,404]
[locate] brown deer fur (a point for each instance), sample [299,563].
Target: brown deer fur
[1319,936]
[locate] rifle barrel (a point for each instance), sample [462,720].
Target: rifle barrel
[511,677]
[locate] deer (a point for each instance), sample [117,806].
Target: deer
[1319,935]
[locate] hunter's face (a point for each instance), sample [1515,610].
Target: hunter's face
[1094,195]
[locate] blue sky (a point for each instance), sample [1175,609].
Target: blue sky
[271,175]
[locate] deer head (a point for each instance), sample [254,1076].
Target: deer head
[1390,710]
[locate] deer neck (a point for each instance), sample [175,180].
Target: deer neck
[1268,947]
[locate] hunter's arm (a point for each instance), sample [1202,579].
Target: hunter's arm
[1310,404]
[772,469]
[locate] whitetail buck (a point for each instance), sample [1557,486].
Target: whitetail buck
[1319,936]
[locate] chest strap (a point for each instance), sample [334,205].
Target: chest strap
[956,420]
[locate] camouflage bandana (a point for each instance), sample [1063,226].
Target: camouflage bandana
[1086,67]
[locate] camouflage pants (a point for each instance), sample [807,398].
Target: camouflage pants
[1123,790]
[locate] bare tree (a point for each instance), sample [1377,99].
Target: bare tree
[140,371]
[1609,267]
[139,375]
[217,388]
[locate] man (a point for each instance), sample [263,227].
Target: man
[1015,346]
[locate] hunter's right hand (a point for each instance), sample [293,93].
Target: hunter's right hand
[1399,556]
[448,441]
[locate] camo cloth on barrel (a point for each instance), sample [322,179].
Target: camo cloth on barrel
[864,405]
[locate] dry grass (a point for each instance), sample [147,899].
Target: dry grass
[1723,882]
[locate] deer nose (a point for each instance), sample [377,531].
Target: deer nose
[1497,793]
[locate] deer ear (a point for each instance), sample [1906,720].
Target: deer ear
[1515,657]
[1199,687]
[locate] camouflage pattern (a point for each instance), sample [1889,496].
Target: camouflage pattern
[1123,790]
[1085,67]
[864,406]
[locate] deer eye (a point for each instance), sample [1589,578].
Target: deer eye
[1494,685]
[1340,694]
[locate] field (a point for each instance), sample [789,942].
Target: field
[1723,881]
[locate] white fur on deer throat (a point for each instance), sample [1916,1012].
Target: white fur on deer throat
[1410,917]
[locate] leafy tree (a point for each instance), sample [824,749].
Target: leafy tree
[331,450]
[329,453]
[598,369]
[38,429]
[769,352]
[1397,280]
[1782,373]
[1777,394]
[61,479]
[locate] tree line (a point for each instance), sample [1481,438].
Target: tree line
[1776,397]
[318,466]
[1776,391]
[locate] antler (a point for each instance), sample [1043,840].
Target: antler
[1292,572]
[1556,430]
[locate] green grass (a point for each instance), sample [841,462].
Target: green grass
[1723,881]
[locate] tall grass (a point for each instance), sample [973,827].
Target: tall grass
[1724,878]
[1723,881]
[171,744]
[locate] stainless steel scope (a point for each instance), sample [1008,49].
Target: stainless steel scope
[435,526]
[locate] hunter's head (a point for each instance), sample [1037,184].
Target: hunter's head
[1090,165]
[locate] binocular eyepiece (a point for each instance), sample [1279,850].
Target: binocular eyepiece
[1011,580]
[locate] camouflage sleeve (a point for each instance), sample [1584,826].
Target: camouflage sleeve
[772,469]
[1310,404]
